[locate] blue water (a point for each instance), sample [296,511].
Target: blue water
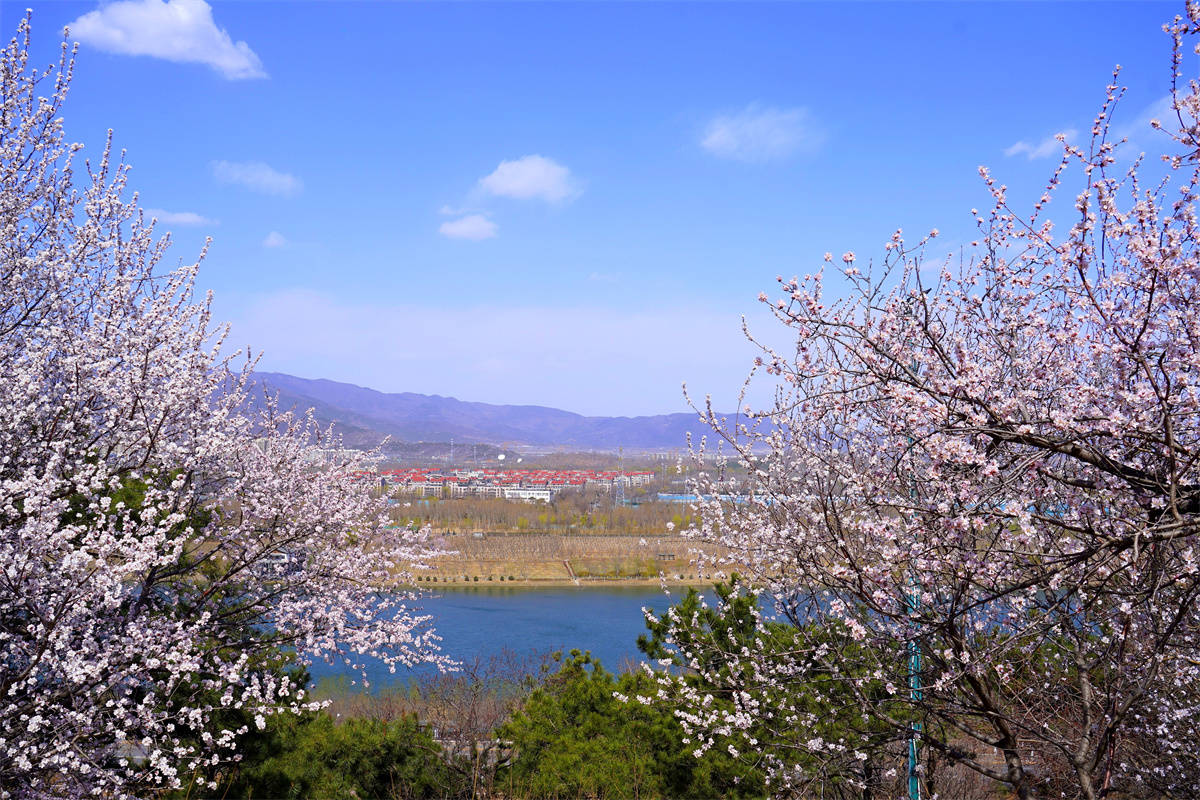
[484,620]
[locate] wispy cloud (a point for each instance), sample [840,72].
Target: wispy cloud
[257,177]
[532,177]
[181,218]
[1044,149]
[176,30]
[592,351]
[474,227]
[758,134]
[1139,130]
[274,239]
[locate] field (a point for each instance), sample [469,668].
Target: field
[546,557]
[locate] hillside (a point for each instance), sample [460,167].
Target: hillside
[366,415]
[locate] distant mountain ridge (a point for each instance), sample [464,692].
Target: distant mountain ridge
[364,416]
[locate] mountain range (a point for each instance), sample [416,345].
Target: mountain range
[365,416]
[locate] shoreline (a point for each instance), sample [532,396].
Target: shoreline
[567,583]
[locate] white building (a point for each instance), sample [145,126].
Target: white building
[528,493]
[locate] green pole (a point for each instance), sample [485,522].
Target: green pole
[914,664]
[914,694]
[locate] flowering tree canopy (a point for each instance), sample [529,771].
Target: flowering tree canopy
[158,545]
[986,478]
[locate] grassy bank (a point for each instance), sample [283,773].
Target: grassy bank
[547,559]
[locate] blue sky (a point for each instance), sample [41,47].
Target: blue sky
[570,204]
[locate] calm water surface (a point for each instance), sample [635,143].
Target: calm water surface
[484,620]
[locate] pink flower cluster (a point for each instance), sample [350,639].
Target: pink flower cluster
[158,543]
[992,472]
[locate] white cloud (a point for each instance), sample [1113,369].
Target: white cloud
[181,218]
[257,177]
[274,239]
[1141,134]
[1046,147]
[531,177]
[1137,130]
[176,30]
[577,357]
[757,134]
[473,226]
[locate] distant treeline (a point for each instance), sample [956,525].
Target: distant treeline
[581,511]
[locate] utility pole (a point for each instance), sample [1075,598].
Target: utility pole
[620,493]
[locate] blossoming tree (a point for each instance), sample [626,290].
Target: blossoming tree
[984,477]
[158,544]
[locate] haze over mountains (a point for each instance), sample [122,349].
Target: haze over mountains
[365,416]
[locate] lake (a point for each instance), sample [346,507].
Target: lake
[484,620]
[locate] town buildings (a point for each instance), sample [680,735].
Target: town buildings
[511,484]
